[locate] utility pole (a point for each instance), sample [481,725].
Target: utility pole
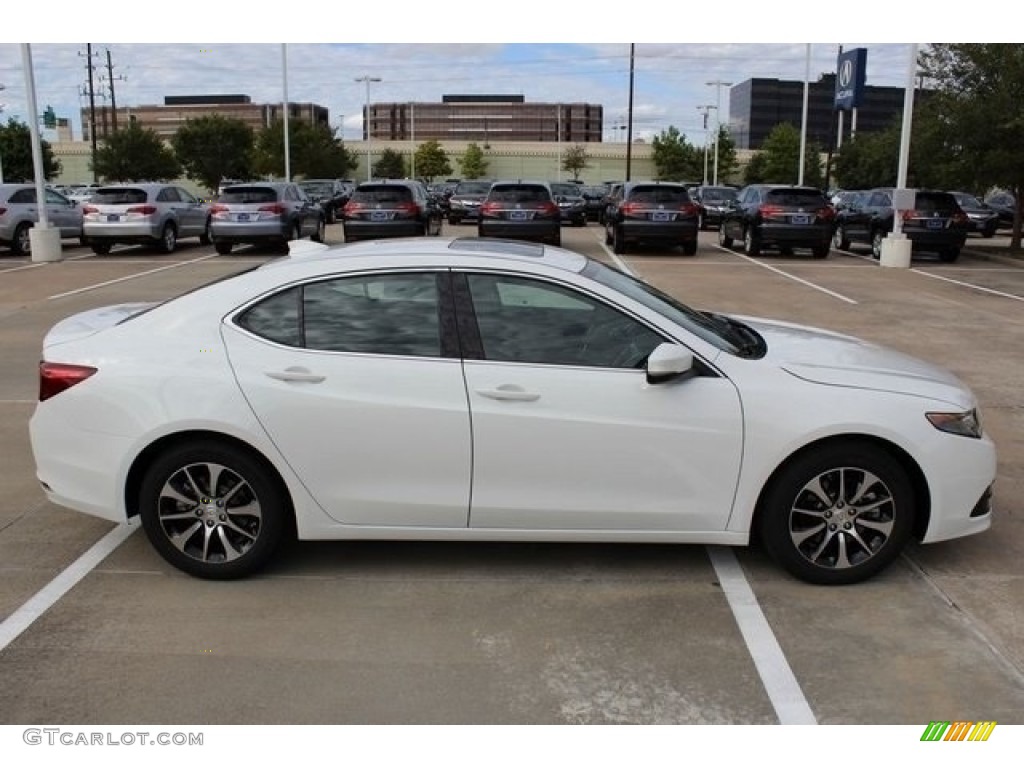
[705,110]
[718,117]
[92,108]
[629,130]
[113,101]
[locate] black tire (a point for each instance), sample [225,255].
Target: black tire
[876,243]
[820,251]
[618,241]
[321,231]
[723,239]
[21,243]
[100,249]
[168,239]
[988,232]
[453,220]
[330,215]
[949,255]
[839,239]
[701,226]
[690,248]
[222,532]
[205,238]
[751,242]
[865,515]
[607,235]
[556,239]
[222,247]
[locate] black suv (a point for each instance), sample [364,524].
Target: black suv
[781,215]
[936,224]
[521,210]
[651,212]
[571,202]
[329,194]
[713,202]
[464,201]
[380,209]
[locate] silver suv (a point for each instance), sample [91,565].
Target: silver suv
[157,214]
[19,213]
[267,212]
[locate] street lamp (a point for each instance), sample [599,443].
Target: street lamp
[718,116]
[705,109]
[366,121]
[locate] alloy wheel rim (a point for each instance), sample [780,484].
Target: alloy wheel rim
[209,512]
[842,518]
[25,241]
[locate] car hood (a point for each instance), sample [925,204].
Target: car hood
[835,359]
[92,321]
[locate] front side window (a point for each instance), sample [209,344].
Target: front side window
[371,314]
[531,321]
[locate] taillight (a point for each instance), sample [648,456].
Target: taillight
[689,209]
[276,208]
[767,209]
[145,210]
[827,212]
[408,208]
[54,378]
[89,209]
[215,209]
[549,209]
[2,210]
[628,209]
[351,207]
[959,217]
[490,208]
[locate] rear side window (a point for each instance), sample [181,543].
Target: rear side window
[23,196]
[802,197]
[109,196]
[659,195]
[249,195]
[519,193]
[382,194]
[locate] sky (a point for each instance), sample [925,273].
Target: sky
[543,52]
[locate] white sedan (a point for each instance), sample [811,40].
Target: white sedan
[496,391]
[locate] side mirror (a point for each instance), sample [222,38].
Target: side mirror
[667,362]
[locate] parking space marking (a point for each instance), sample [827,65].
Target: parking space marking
[994,292]
[24,266]
[131,277]
[784,692]
[777,676]
[778,271]
[24,616]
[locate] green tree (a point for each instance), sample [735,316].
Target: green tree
[214,147]
[16,153]
[473,163]
[754,173]
[389,165]
[675,158]
[781,158]
[313,151]
[432,160]
[135,153]
[868,160]
[728,165]
[575,159]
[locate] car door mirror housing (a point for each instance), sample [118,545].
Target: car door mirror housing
[667,362]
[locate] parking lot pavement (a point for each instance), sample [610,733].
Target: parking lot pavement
[385,632]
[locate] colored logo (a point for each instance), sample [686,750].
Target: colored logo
[959,730]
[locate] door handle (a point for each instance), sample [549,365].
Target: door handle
[296,374]
[509,392]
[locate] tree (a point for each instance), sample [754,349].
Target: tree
[214,147]
[675,158]
[727,162]
[16,153]
[868,160]
[389,165]
[313,151]
[472,163]
[134,153]
[575,160]
[979,91]
[432,160]
[780,155]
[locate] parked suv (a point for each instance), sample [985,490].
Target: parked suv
[781,215]
[713,202]
[19,213]
[936,224]
[571,202]
[264,212]
[390,209]
[464,203]
[651,212]
[981,218]
[331,194]
[521,210]
[158,214]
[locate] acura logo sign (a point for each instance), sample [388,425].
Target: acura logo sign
[846,74]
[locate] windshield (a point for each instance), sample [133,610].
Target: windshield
[714,331]
[969,200]
[312,188]
[568,190]
[718,194]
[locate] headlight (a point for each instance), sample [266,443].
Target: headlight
[966,424]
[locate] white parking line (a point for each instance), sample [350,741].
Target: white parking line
[131,277]
[778,679]
[44,599]
[778,271]
[784,692]
[970,285]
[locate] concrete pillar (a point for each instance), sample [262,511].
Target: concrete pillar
[44,243]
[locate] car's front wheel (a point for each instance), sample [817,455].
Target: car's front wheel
[212,510]
[877,238]
[723,239]
[839,239]
[751,241]
[168,239]
[838,514]
[21,243]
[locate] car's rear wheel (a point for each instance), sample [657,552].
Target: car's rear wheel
[212,510]
[222,247]
[949,255]
[839,239]
[100,249]
[751,242]
[21,243]
[690,247]
[820,251]
[618,241]
[168,239]
[205,238]
[838,514]
[877,238]
[723,239]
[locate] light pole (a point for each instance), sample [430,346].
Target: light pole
[2,87]
[718,117]
[705,109]
[366,122]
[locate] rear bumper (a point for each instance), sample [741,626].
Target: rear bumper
[376,230]
[796,235]
[247,232]
[674,231]
[939,240]
[121,233]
